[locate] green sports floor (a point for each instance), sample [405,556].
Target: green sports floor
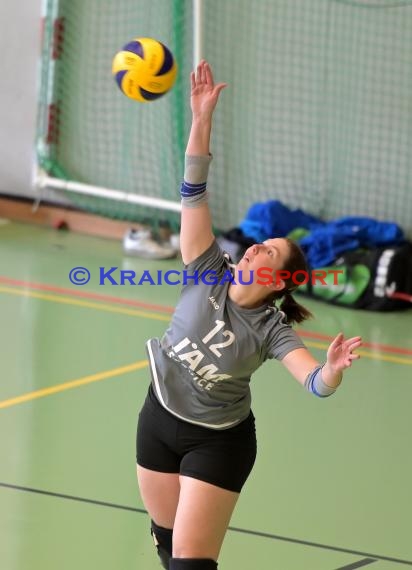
[332,486]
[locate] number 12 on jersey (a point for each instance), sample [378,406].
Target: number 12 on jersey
[230,338]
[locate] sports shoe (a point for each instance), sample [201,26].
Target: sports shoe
[142,244]
[175,242]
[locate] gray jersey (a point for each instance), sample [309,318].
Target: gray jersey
[201,368]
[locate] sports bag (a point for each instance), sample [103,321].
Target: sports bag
[378,279]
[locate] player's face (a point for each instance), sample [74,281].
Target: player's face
[271,253]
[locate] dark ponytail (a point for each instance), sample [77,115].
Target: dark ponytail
[295,313]
[296,262]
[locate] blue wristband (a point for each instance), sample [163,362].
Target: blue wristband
[315,384]
[193,189]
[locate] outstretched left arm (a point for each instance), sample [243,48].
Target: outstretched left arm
[340,355]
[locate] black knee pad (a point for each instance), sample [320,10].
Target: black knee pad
[192,564]
[163,539]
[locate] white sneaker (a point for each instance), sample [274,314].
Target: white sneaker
[142,244]
[175,242]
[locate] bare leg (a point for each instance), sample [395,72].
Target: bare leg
[160,495]
[202,517]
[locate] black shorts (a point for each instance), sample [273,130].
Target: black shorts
[167,444]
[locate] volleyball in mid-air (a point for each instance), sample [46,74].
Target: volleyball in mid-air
[144,69]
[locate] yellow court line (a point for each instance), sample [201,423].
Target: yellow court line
[87,304]
[365,354]
[155,316]
[73,384]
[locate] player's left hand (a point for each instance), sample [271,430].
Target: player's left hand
[340,353]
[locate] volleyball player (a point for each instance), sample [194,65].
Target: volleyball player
[196,442]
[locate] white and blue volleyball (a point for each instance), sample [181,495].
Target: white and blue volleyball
[144,69]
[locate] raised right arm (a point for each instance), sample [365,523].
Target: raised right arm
[196,233]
